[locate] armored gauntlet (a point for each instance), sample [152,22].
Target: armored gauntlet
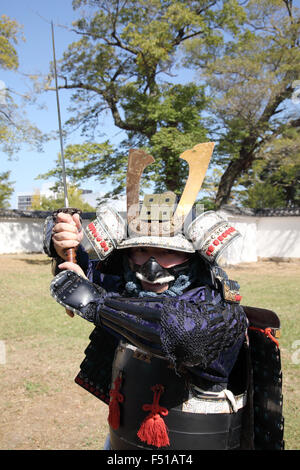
[186,332]
[78,295]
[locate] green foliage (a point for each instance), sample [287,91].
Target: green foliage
[246,56]
[9,32]
[262,195]
[86,160]
[15,128]
[251,83]
[6,189]
[274,180]
[209,189]
[52,203]
[125,60]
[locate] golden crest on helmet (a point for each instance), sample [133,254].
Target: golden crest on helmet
[159,215]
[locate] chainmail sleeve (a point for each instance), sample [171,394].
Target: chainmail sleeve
[195,333]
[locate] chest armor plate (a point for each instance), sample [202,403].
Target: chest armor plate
[194,419]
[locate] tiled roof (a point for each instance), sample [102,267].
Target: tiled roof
[290,211]
[246,211]
[283,212]
[17,214]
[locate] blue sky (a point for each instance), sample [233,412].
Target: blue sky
[35,55]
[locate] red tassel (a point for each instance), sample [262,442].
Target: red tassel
[153,429]
[114,408]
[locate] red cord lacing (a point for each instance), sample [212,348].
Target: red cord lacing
[267,332]
[114,408]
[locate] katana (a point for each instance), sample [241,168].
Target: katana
[59,124]
[71,252]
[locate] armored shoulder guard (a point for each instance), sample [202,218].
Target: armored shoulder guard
[228,288]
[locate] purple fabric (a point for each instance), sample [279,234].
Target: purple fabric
[220,367]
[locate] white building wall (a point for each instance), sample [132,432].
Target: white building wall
[21,235]
[261,237]
[278,237]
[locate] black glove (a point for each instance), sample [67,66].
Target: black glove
[78,295]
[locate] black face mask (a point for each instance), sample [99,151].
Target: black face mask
[151,271]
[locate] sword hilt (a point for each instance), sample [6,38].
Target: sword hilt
[70,252]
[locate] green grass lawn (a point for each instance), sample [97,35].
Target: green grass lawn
[276,286]
[42,408]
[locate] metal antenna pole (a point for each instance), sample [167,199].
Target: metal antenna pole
[59,125]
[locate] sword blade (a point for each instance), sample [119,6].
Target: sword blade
[59,124]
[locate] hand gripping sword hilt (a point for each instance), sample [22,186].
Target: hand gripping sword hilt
[71,252]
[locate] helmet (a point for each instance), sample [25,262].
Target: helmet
[161,221]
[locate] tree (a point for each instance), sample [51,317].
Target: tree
[41,202]
[6,189]
[251,82]
[124,63]
[15,129]
[274,180]
[9,32]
